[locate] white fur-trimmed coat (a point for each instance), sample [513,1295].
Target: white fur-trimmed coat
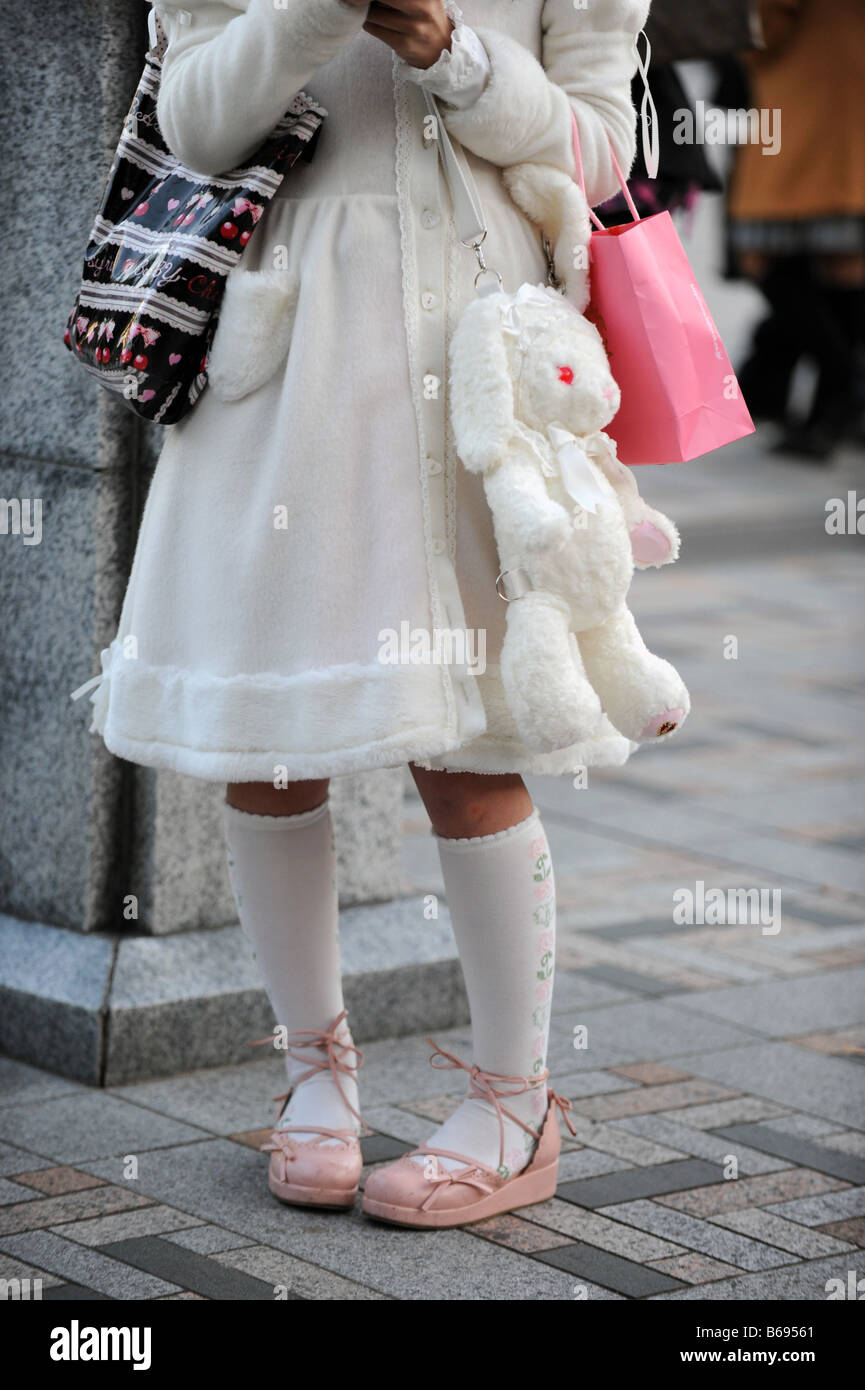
[312,502]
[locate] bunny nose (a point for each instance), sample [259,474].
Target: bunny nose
[609,392]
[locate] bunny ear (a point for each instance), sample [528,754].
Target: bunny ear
[481,384]
[552,200]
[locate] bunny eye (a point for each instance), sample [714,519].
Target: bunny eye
[566,374]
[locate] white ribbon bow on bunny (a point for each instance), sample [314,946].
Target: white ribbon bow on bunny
[572,461]
[534,296]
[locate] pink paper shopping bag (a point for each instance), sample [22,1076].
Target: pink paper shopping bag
[680,396]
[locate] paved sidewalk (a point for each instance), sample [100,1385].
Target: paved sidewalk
[720,1099]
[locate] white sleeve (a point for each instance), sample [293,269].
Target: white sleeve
[459,74]
[588,60]
[231,70]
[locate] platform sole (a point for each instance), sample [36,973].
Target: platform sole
[527,1188]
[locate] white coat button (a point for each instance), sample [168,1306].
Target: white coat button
[438,547]
[433,465]
[429,218]
[428,299]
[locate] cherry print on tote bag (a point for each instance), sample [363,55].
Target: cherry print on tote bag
[160,251]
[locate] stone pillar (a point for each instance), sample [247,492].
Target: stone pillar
[81,831]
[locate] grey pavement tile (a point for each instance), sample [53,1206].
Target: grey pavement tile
[693,1268]
[221,1100]
[655,926]
[805,1152]
[695,1234]
[154,1220]
[186,1269]
[638,1152]
[16,1269]
[394,1072]
[13,1192]
[208,1240]
[76,1293]
[72,1206]
[399,1124]
[724,1112]
[772,854]
[590,1083]
[801,1282]
[825,915]
[225,1184]
[645,1100]
[831,1087]
[788,1007]
[785,1235]
[90,1125]
[571,990]
[649,1031]
[848,1141]
[820,1210]
[638,1182]
[631,980]
[299,1277]
[699,957]
[593,1229]
[14,1160]
[80,1265]
[698,1143]
[808,1126]
[588,1163]
[20,1083]
[611,1271]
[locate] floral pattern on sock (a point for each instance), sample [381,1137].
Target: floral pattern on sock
[544,919]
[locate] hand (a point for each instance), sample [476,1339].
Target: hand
[416,30]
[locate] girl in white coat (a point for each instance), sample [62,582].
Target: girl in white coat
[311,507]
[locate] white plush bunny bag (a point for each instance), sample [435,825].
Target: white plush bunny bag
[530,394]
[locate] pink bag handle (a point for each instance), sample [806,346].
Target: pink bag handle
[578,160]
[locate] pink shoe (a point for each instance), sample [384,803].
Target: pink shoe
[410,1194]
[303,1172]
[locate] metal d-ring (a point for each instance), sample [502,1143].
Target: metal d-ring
[488,270]
[520,584]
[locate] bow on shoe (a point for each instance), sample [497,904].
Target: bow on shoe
[473,1177]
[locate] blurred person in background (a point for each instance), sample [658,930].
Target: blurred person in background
[797,219]
[680,31]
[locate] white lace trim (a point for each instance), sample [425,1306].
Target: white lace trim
[459,74]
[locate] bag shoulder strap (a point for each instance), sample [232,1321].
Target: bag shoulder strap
[468,210]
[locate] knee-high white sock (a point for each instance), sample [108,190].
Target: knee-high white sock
[501,894]
[283,874]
